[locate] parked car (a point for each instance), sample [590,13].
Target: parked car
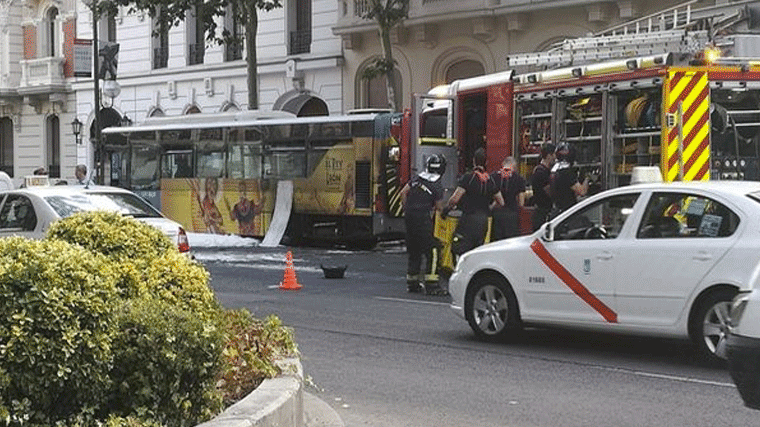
[662,259]
[29,211]
[742,346]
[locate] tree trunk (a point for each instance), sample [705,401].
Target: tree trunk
[251,27]
[390,77]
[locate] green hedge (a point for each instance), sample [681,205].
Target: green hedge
[166,363]
[56,330]
[105,323]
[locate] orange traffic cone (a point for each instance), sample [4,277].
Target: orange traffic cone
[289,281]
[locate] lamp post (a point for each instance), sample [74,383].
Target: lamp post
[76,129]
[99,163]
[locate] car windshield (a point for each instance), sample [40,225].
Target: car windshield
[123,203]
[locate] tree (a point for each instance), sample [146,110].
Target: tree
[387,14]
[169,13]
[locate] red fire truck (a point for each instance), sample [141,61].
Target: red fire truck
[678,90]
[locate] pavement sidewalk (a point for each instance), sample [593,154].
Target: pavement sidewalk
[317,413]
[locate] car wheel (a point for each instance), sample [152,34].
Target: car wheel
[709,324]
[491,308]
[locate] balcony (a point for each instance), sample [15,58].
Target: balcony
[441,12]
[160,57]
[300,42]
[42,75]
[196,52]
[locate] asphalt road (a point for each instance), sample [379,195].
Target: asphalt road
[382,357]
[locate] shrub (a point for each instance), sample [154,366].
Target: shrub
[130,243]
[149,264]
[166,363]
[251,349]
[56,330]
[111,234]
[105,323]
[177,280]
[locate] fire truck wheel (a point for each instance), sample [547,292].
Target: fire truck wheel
[708,324]
[491,307]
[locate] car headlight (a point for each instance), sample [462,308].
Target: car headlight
[737,309]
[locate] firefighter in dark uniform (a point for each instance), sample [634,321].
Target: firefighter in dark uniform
[565,184]
[506,219]
[421,196]
[474,193]
[540,182]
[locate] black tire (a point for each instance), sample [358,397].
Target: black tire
[708,324]
[491,308]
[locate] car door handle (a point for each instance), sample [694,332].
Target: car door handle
[604,256]
[702,256]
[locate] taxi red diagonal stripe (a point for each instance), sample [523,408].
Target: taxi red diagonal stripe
[572,283]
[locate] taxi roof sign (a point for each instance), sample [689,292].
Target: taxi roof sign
[36,181]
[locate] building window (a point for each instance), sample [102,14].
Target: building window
[463,70]
[300,20]
[160,44]
[6,145]
[374,93]
[233,50]
[196,40]
[51,36]
[53,146]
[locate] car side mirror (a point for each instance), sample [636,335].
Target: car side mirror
[548,232]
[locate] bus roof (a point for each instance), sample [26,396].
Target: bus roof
[207,121]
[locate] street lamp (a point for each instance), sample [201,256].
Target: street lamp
[76,128]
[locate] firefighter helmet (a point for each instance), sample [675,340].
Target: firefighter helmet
[436,164]
[566,153]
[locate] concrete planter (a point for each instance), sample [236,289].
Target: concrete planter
[277,402]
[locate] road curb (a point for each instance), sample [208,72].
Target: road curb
[279,402]
[276,402]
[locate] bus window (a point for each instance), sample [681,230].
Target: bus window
[145,167]
[244,154]
[210,159]
[177,164]
[285,153]
[285,164]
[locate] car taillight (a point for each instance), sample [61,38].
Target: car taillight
[182,243]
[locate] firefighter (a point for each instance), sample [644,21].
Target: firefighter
[474,193]
[506,219]
[565,184]
[420,197]
[540,183]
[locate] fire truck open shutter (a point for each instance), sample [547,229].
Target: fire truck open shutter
[499,124]
[686,130]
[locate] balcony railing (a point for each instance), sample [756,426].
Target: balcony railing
[361,7]
[233,51]
[160,57]
[300,42]
[195,54]
[42,72]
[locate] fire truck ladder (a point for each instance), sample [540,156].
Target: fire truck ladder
[678,29]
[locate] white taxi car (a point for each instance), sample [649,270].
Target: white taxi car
[28,212]
[742,347]
[661,259]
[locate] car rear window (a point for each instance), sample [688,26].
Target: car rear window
[123,203]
